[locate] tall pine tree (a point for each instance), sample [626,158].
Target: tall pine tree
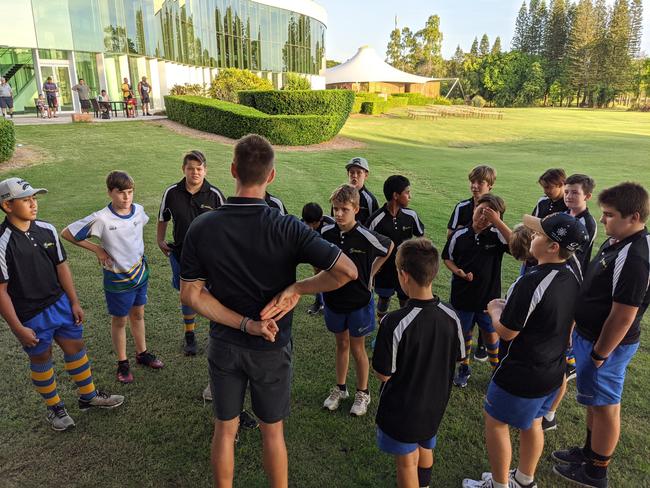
[581,52]
[473,51]
[394,49]
[496,47]
[484,47]
[520,37]
[636,27]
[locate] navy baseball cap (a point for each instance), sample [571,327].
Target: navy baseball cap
[560,227]
[13,188]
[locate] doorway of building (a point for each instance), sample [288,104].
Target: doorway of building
[61,76]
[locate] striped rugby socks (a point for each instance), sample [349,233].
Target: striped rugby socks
[189,318]
[78,366]
[468,349]
[493,354]
[44,381]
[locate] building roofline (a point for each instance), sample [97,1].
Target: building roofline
[305,7]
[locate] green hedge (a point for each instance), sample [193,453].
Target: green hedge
[379,106]
[235,121]
[7,140]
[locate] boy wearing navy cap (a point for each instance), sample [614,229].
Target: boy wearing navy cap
[534,322]
[39,302]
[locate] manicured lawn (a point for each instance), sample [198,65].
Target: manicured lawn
[160,437]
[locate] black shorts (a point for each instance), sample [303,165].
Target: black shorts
[6,102]
[52,102]
[85,104]
[232,368]
[145,99]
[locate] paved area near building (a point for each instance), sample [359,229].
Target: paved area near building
[66,118]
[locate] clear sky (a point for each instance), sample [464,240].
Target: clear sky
[354,23]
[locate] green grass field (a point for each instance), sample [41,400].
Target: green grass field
[160,436]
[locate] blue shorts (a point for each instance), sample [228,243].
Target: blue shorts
[360,322]
[55,321]
[514,410]
[176,271]
[392,446]
[467,320]
[119,304]
[388,292]
[602,386]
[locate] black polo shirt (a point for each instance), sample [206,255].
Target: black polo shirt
[417,346]
[462,214]
[545,206]
[28,263]
[480,254]
[619,273]
[182,207]
[362,246]
[582,257]
[247,253]
[540,306]
[403,226]
[275,202]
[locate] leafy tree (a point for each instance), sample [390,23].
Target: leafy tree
[294,81]
[537,14]
[394,49]
[429,60]
[409,48]
[581,52]
[231,80]
[330,63]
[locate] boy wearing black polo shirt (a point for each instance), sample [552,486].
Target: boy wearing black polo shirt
[481,180]
[312,215]
[39,302]
[350,310]
[474,254]
[609,309]
[182,203]
[534,322]
[414,357]
[358,171]
[552,182]
[275,202]
[398,222]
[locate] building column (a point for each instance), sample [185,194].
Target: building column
[76,105]
[37,71]
[101,72]
[156,95]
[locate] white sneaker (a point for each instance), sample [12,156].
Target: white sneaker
[486,481]
[207,394]
[59,419]
[336,395]
[360,405]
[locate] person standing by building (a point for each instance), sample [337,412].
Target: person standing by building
[83,91]
[6,99]
[238,269]
[144,89]
[50,89]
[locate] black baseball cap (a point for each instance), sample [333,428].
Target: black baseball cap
[560,227]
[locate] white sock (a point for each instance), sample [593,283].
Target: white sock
[550,416]
[499,485]
[523,479]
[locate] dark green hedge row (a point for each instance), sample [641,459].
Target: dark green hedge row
[376,107]
[7,140]
[235,121]
[335,104]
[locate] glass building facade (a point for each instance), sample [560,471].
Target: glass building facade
[168,41]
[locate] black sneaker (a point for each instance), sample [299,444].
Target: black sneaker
[573,455]
[315,308]
[577,474]
[247,421]
[480,354]
[570,371]
[549,424]
[189,348]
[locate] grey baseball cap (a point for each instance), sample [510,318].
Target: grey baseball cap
[12,188]
[360,162]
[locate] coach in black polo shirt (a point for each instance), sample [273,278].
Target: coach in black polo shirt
[235,261]
[613,298]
